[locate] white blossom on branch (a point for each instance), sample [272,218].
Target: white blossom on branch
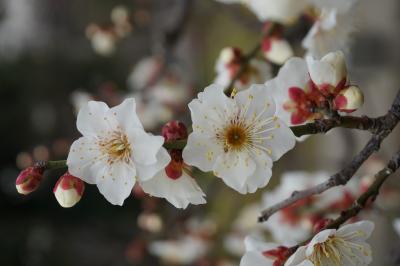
[237,138]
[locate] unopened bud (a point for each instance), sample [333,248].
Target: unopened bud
[29,180]
[349,99]
[276,50]
[329,73]
[174,130]
[230,55]
[68,190]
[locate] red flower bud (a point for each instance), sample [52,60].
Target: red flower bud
[349,99]
[68,190]
[174,130]
[29,180]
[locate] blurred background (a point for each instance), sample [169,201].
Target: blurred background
[56,55]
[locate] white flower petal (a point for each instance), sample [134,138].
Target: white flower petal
[93,119]
[125,113]
[252,258]
[261,175]
[210,109]
[144,146]
[359,231]
[234,168]
[281,140]
[84,159]
[293,73]
[256,101]
[331,69]
[116,182]
[179,192]
[146,172]
[298,258]
[201,151]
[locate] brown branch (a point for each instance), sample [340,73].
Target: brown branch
[370,194]
[360,203]
[324,125]
[386,125]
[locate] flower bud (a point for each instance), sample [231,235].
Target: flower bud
[230,55]
[29,180]
[68,190]
[349,99]
[174,130]
[329,73]
[276,50]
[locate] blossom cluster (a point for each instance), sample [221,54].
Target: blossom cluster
[241,124]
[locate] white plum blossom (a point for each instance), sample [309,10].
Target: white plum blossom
[344,246]
[237,137]
[301,87]
[114,150]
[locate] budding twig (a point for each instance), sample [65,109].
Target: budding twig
[382,130]
[360,203]
[49,165]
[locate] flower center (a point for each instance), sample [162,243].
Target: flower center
[117,147]
[327,251]
[236,137]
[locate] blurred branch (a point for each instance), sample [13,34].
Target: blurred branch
[352,122]
[169,39]
[370,194]
[386,125]
[49,165]
[359,204]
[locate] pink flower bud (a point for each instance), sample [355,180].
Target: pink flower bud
[29,180]
[68,190]
[230,55]
[174,130]
[276,50]
[349,99]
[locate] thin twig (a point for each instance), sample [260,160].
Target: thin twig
[387,123]
[360,203]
